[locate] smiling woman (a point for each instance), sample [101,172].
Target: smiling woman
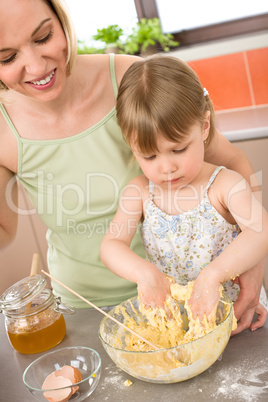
[27,64]
[53,116]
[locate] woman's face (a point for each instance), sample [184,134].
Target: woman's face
[33,49]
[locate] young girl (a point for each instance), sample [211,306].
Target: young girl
[190,210]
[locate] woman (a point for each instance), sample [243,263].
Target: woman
[59,136]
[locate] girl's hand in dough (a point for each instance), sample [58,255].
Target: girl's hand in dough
[153,289]
[204,298]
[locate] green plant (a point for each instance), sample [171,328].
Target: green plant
[148,32]
[82,48]
[110,35]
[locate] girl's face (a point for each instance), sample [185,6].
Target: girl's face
[33,49]
[178,164]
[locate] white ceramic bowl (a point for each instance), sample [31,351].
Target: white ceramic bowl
[158,365]
[85,359]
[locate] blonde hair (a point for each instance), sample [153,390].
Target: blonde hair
[161,94]
[61,11]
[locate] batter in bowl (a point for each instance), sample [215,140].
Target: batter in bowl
[169,327]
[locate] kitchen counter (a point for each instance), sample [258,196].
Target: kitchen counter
[240,374]
[243,124]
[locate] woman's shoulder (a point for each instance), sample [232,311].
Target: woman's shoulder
[122,63]
[99,65]
[92,61]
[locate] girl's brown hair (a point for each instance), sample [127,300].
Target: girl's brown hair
[161,94]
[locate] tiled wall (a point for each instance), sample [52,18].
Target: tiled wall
[235,80]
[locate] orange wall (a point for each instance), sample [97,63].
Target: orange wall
[235,80]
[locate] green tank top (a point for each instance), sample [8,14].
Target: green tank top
[75,184]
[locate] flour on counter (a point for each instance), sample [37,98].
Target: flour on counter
[112,377]
[236,385]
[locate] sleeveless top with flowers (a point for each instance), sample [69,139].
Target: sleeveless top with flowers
[182,245]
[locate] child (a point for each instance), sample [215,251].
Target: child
[190,210]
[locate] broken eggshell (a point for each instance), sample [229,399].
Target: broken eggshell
[65,377]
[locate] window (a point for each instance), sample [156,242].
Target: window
[196,13]
[191,21]
[198,21]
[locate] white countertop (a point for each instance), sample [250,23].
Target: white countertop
[243,124]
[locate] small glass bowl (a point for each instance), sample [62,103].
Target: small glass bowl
[86,360]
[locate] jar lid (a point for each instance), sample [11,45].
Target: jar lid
[22,292]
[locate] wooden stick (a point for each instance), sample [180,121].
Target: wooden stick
[100,310]
[35,264]
[34,269]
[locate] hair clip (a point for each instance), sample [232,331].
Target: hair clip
[205,91]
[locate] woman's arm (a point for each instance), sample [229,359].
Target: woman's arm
[248,249]
[122,63]
[8,217]
[117,255]
[250,283]
[221,152]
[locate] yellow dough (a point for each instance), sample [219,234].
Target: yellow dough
[164,327]
[172,329]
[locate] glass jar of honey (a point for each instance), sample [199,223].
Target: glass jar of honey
[33,315]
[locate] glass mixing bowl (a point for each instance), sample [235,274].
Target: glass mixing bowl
[160,366]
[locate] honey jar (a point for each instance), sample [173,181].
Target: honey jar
[33,315]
